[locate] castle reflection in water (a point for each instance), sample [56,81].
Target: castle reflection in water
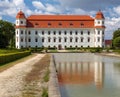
[76,72]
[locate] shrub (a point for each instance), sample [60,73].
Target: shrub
[5,58]
[45,92]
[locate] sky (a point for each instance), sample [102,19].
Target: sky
[110,9]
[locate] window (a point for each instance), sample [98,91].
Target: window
[98,32]
[29,32]
[42,39]
[29,40]
[21,39]
[102,32]
[71,24]
[17,39]
[54,32]
[98,22]
[81,24]
[49,24]
[16,31]
[36,32]
[65,32]
[65,39]
[103,22]
[36,39]
[103,39]
[71,39]
[76,39]
[36,24]
[21,22]
[54,39]
[49,39]
[76,32]
[88,32]
[98,39]
[82,39]
[70,32]
[60,24]
[88,39]
[21,31]
[59,39]
[59,32]
[81,32]
[42,32]
[48,32]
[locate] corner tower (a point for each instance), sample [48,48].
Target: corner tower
[20,30]
[99,24]
[20,19]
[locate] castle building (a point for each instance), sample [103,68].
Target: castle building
[60,31]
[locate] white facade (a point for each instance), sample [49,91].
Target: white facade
[59,37]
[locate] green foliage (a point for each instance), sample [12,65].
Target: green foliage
[5,58]
[3,42]
[116,34]
[45,92]
[70,48]
[38,50]
[116,42]
[7,33]
[46,77]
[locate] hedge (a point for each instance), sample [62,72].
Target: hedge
[5,58]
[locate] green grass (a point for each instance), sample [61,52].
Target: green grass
[45,92]
[46,77]
[6,51]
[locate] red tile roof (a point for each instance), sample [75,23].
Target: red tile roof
[60,17]
[108,42]
[20,15]
[60,24]
[99,15]
[60,21]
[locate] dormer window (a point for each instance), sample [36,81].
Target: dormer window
[81,24]
[60,24]
[36,24]
[49,24]
[71,24]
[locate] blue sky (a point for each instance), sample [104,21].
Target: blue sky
[110,8]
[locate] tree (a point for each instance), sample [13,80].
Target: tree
[116,42]
[7,33]
[3,42]
[116,34]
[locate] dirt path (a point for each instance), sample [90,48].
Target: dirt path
[11,80]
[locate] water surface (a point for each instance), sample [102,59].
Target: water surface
[88,75]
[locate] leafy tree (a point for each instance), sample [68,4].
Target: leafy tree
[116,42]
[3,42]
[116,34]
[7,33]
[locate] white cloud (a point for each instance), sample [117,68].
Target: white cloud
[117,10]
[38,5]
[112,24]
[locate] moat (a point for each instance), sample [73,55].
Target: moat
[88,75]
